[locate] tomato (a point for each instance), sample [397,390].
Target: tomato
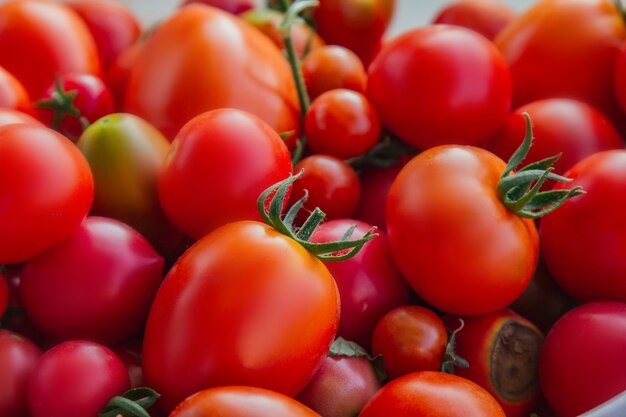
[75,379]
[18,357]
[330,67]
[12,93]
[420,87]
[130,353]
[252,75]
[118,72]
[46,190]
[332,184]
[619,75]
[341,123]
[126,155]
[111,24]
[236,401]
[369,283]
[587,236]
[590,336]
[9,117]
[453,239]
[432,393]
[40,39]
[502,350]
[4,295]
[561,126]
[231,6]
[565,48]
[216,168]
[250,305]
[487,17]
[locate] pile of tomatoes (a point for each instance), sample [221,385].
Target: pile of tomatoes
[282,212]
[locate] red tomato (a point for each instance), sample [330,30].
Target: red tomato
[4,294]
[620,78]
[591,337]
[420,86]
[12,93]
[235,401]
[231,6]
[252,75]
[245,305]
[10,117]
[40,39]
[341,123]
[18,357]
[432,394]
[75,379]
[112,25]
[586,237]
[454,240]
[487,17]
[97,285]
[130,353]
[46,189]
[331,67]
[216,168]
[369,283]
[119,70]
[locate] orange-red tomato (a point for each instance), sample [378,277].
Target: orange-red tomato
[10,117]
[331,67]
[487,17]
[119,70]
[12,92]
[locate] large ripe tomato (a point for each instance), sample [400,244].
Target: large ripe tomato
[487,17]
[10,117]
[202,59]
[12,92]
[46,189]
[18,357]
[432,394]
[584,242]
[592,338]
[40,39]
[245,305]
[420,86]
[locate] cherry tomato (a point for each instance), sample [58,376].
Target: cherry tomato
[130,353]
[250,305]
[487,17]
[4,295]
[369,283]
[216,168]
[330,67]
[118,72]
[432,393]
[454,240]
[420,87]
[18,357]
[236,401]
[12,93]
[586,237]
[252,75]
[560,126]
[75,379]
[231,6]
[10,117]
[40,39]
[590,336]
[341,123]
[332,184]
[46,189]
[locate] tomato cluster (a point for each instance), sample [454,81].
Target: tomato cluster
[282,211]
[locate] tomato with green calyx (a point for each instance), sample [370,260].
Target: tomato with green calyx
[12,93]
[331,67]
[487,17]
[460,225]
[18,357]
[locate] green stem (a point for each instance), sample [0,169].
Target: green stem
[133,403]
[284,5]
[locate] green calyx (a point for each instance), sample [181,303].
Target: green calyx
[343,347]
[520,191]
[133,403]
[276,195]
[450,359]
[61,103]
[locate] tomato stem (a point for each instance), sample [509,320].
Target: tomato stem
[133,403]
[450,358]
[343,347]
[620,7]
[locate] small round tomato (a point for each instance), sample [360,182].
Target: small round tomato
[12,93]
[236,401]
[487,17]
[18,357]
[332,184]
[331,67]
[75,379]
[432,393]
[592,337]
[420,87]
[11,117]
[341,123]
[46,189]
[4,294]
[231,6]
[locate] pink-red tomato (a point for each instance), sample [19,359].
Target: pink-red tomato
[331,67]
[487,17]
[12,93]
[231,6]
[420,86]
[18,357]
[11,117]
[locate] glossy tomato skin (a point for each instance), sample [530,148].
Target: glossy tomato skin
[590,336]
[252,75]
[216,168]
[239,401]
[587,260]
[46,190]
[12,93]
[75,379]
[560,126]
[231,6]
[267,308]
[18,357]
[457,245]
[331,67]
[432,393]
[419,85]
[10,117]
[97,285]
[369,283]
[40,39]
[487,17]
[620,78]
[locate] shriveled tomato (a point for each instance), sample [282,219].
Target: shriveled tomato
[12,93]
[10,117]
[18,357]
[331,67]
[252,75]
[487,17]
